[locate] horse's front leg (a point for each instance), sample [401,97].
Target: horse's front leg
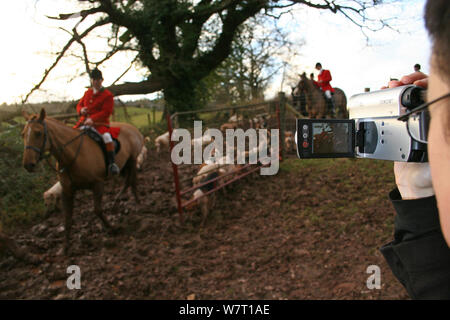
[67,201]
[98,195]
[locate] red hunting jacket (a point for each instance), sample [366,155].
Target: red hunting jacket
[325,76]
[100,107]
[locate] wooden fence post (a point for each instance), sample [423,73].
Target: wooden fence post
[282,103]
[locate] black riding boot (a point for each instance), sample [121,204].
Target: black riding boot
[113,168]
[332,107]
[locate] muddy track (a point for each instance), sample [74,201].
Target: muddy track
[255,245]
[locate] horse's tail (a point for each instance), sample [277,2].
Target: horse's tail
[141,157]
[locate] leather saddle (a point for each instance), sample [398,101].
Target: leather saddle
[97,137]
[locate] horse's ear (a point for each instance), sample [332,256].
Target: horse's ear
[42,115]
[304,74]
[25,115]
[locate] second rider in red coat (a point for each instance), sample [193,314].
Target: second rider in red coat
[323,82]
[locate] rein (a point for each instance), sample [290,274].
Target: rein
[61,149]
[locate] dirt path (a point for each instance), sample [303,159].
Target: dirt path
[279,237]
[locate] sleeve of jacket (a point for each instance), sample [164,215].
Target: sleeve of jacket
[107,109]
[326,76]
[81,104]
[419,256]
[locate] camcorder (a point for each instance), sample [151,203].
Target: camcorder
[372,130]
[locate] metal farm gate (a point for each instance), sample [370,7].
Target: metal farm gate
[245,117]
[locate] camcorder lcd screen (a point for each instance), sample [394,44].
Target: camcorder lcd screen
[329,138]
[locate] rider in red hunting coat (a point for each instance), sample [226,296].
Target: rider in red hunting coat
[323,82]
[94,109]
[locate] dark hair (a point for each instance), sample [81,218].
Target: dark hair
[318,64]
[96,74]
[417,66]
[437,17]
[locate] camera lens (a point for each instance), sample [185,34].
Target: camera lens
[412,97]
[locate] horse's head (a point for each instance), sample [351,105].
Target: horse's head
[35,140]
[301,84]
[292,90]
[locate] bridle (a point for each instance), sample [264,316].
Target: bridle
[41,150]
[46,155]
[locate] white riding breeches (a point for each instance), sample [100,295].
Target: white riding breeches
[107,137]
[328,94]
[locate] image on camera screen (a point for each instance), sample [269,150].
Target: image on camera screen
[330,138]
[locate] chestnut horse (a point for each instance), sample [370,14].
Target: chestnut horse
[80,161]
[299,101]
[317,106]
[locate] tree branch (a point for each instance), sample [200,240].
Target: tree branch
[129,67]
[85,55]
[61,54]
[82,13]
[143,87]
[221,50]
[359,11]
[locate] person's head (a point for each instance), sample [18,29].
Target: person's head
[417,67]
[318,66]
[437,13]
[96,79]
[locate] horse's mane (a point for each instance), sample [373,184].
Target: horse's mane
[59,123]
[35,118]
[54,123]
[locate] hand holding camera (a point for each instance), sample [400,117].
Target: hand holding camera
[413,179]
[375,132]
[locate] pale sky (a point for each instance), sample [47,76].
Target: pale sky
[29,38]
[341,48]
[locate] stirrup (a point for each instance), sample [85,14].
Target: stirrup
[114,169]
